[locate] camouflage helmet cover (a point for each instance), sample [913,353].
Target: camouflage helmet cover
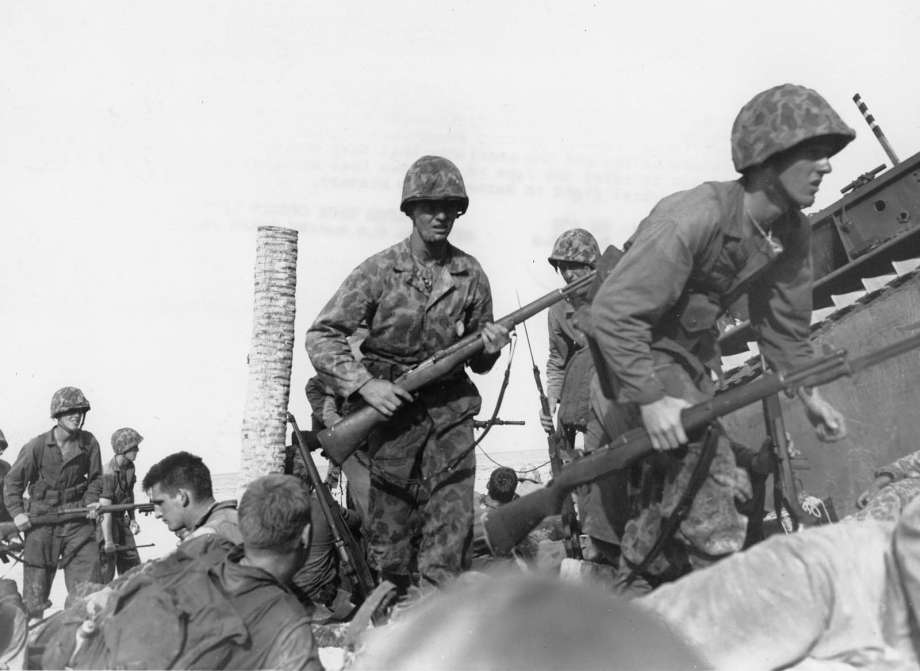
[780,118]
[576,245]
[125,439]
[68,399]
[433,178]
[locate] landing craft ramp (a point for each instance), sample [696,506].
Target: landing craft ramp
[865,252]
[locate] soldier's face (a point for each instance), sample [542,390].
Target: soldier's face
[126,457]
[71,421]
[433,220]
[801,169]
[572,270]
[168,507]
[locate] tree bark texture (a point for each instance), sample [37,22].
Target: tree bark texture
[270,355]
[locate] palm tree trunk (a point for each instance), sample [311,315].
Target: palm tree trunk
[270,355]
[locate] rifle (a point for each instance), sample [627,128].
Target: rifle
[345,544]
[506,526]
[71,514]
[554,437]
[342,438]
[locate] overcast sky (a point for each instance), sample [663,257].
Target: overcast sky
[143,143]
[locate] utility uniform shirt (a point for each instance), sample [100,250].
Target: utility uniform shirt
[564,341]
[118,487]
[693,257]
[118,482]
[407,321]
[221,519]
[53,482]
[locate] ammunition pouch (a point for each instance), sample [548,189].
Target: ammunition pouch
[41,492]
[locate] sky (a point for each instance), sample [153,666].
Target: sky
[142,144]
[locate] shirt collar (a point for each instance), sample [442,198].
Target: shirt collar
[456,263]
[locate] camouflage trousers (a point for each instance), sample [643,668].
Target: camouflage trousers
[889,501]
[71,546]
[420,509]
[630,507]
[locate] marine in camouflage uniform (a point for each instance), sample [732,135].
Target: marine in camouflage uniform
[60,469]
[416,297]
[698,253]
[895,485]
[116,531]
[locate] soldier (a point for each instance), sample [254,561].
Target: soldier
[234,611]
[60,469]
[574,254]
[416,297]
[117,532]
[569,372]
[179,487]
[697,253]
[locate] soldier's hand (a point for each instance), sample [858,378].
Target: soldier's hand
[134,527]
[828,422]
[662,421]
[109,548]
[384,396]
[546,419]
[863,499]
[494,337]
[22,522]
[92,510]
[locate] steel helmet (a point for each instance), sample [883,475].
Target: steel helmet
[434,178]
[780,118]
[126,439]
[576,245]
[68,399]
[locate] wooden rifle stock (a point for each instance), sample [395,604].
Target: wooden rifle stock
[342,438]
[507,525]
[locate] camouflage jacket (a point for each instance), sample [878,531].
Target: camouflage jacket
[699,244]
[51,481]
[564,340]
[406,322]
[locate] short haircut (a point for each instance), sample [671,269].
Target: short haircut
[273,511]
[502,484]
[180,470]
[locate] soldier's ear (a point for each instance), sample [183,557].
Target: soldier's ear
[305,536]
[183,497]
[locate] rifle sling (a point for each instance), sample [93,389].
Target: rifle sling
[671,524]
